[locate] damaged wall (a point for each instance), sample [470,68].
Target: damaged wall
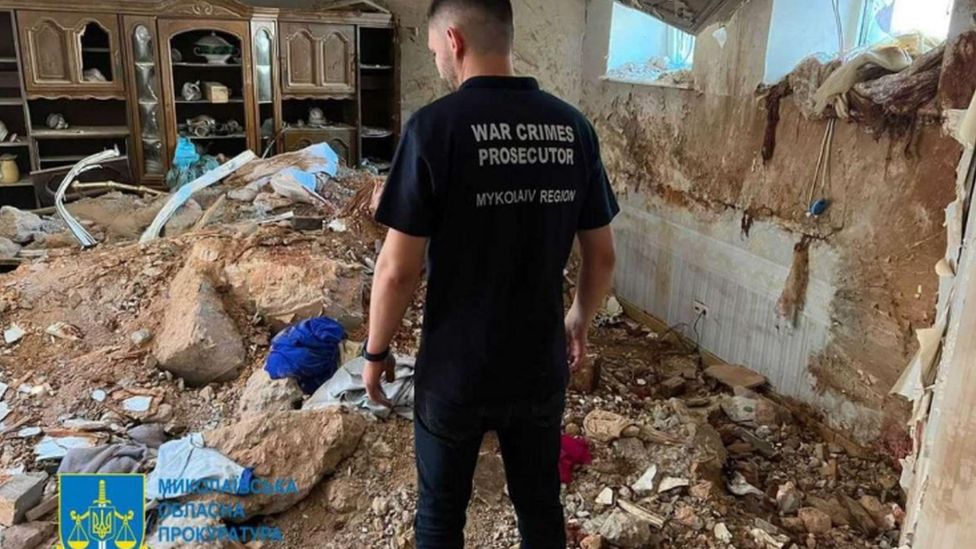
[548,45]
[705,220]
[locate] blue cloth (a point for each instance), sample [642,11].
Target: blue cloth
[324,151]
[307,352]
[185,153]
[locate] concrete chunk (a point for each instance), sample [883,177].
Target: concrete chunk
[198,340]
[26,536]
[19,494]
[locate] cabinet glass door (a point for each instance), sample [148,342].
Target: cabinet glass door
[147,95]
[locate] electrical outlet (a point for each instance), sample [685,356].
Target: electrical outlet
[700,308]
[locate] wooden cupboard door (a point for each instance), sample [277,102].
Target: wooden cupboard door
[298,48]
[59,47]
[317,59]
[48,53]
[338,48]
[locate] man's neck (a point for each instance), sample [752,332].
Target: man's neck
[487,66]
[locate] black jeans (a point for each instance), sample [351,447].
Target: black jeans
[448,440]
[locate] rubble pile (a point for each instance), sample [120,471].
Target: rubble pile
[130,349]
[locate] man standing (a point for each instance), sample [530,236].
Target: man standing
[493,183]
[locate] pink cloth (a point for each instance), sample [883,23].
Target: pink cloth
[573,451]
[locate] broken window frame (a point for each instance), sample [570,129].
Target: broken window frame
[678,52]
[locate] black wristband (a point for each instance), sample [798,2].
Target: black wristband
[374,357]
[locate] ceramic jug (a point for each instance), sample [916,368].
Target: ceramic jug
[9,172]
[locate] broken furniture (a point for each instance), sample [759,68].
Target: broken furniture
[259,67]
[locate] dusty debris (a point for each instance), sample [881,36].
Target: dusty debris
[19,494]
[13,334]
[357,483]
[63,330]
[788,498]
[26,536]
[263,394]
[278,446]
[626,530]
[605,426]
[178,198]
[198,340]
[264,279]
[18,226]
[814,520]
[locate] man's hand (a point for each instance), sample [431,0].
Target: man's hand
[371,378]
[576,328]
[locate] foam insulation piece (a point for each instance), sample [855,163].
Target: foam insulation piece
[920,371]
[967,128]
[892,58]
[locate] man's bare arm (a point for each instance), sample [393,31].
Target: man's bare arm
[593,284]
[397,274]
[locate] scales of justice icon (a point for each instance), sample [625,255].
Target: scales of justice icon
[102,523]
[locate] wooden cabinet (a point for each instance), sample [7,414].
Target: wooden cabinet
[116,71]
[180,37]
[71,54]
[318,59]
[342,140]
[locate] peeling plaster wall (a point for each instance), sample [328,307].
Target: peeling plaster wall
[687,168]
[548,45]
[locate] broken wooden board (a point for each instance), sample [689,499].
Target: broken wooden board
[656,521]
[735,376]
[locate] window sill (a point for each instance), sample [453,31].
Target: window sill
[651,83]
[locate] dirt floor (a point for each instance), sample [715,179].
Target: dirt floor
[652,407]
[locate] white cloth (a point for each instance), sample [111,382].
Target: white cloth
[346,388]
[187,459]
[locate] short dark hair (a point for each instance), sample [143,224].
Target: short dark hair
[495,27]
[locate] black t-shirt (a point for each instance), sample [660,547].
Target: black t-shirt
[500,176]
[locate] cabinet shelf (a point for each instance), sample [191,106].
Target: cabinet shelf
[207,65]
[208,137]
[20,142]
[24,182]
[81,132]
[62,158]
[205,102]
[4,101]
[95,50]
[8,59]
[367,67]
